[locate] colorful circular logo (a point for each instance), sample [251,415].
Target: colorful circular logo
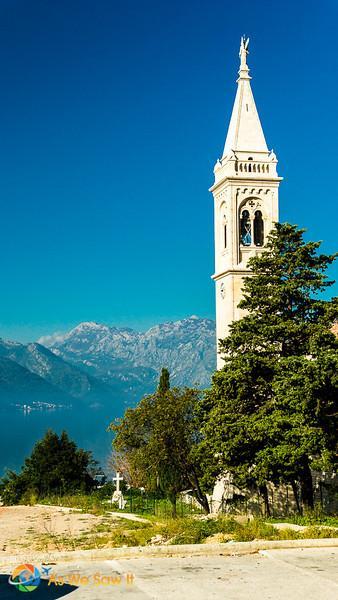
[26,578]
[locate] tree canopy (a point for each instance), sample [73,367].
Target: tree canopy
[55,466]
[159,437]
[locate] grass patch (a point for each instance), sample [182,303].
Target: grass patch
[114,533]
[319,532]
[190,531]
[160,507]
[88,503]
[255,530]
[311,519]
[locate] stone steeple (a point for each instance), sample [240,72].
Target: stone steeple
[245,130]
[245,195]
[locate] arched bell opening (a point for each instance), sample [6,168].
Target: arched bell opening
[258,229]
[245,228]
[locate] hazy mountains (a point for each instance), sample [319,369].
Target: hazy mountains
[186,348]
[94,364]
[19,386]
[32,373]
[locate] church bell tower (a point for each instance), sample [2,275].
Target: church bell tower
[245,200]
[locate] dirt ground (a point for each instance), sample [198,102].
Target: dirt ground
[32,526]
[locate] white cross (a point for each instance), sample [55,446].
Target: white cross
[117,479]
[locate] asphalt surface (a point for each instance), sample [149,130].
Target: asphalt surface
[297,574]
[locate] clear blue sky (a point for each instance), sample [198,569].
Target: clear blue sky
[112,115]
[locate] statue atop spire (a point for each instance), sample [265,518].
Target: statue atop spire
[243,52]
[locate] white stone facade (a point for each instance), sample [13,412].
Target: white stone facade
[245,200]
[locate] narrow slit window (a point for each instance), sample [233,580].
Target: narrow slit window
[225,236]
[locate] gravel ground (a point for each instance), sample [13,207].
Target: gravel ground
[21,526]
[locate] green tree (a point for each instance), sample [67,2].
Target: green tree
[159,438]
[271,413]
[12,488]
[55,466]
[164,383]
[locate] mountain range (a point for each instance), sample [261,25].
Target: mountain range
[94,364]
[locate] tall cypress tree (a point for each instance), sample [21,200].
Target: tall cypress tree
[164,383]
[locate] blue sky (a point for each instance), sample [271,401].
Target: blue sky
[112,115]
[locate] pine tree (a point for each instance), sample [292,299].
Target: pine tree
[271,413]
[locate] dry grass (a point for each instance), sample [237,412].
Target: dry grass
[176,531]
[54,528]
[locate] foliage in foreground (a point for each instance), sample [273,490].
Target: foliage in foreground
[271,413]
[56,466]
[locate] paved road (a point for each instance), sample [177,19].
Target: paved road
[310,574]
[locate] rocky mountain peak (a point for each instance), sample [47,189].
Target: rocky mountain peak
[187,347]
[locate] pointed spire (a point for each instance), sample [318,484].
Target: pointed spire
[245,132]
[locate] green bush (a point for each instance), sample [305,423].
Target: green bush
[193,531]
[30,497]
[255,530]
[226,525]
[289,534]
[12,488]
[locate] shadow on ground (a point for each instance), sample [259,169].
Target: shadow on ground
[43,592]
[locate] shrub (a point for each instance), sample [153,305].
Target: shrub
[254,530]
[30,497]
[194,531]
[319,532]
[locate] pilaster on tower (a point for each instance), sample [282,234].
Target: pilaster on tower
[245,200]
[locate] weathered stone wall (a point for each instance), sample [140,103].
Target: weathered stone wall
[282,500]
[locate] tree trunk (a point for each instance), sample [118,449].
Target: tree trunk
[200,496]
[173,499]
[203,501]
[306,487]
[263,490]
[296,496]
